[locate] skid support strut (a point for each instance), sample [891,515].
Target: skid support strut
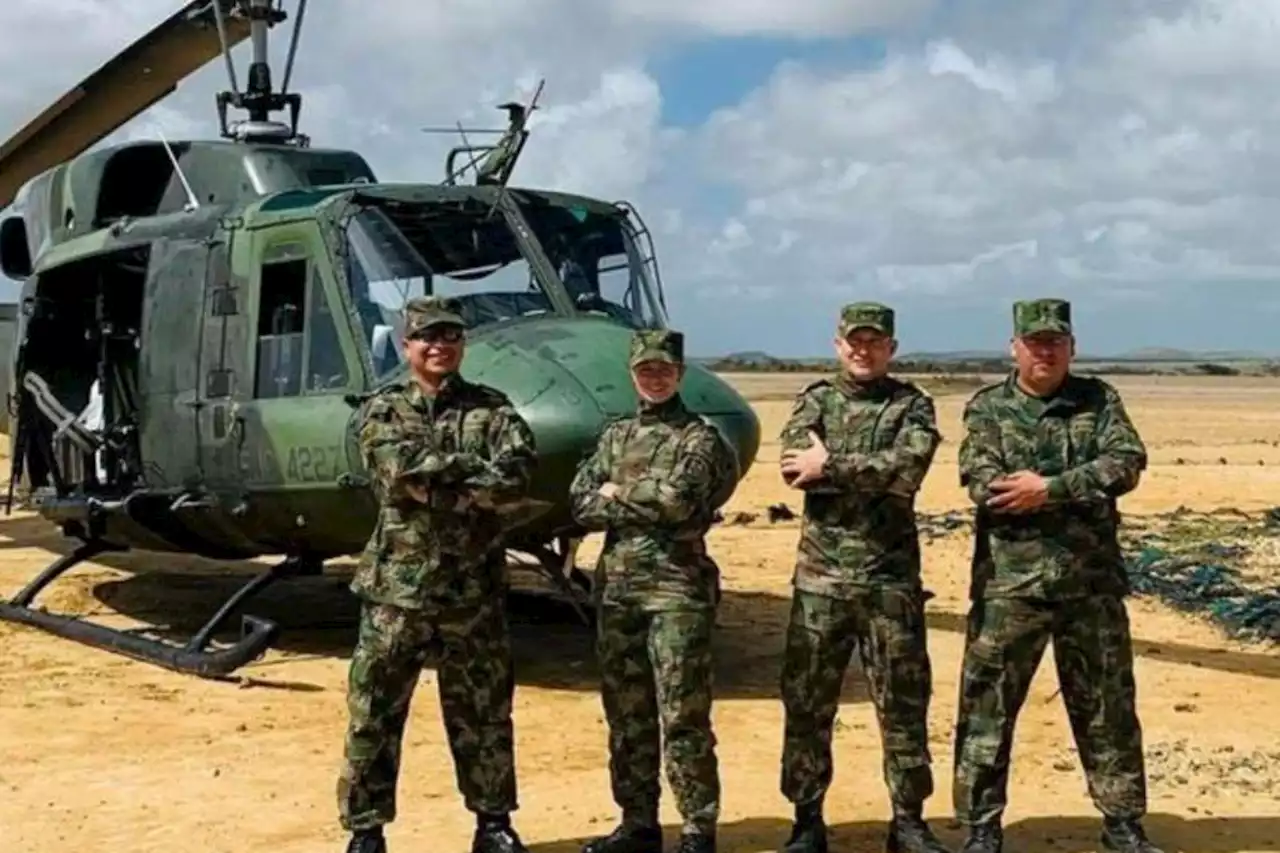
[560,567]
[192,658]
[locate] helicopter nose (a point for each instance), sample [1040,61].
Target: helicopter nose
[568,377]
[715,399]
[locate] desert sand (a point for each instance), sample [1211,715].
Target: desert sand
[98,752]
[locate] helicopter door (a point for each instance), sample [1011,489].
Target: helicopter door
[302,363]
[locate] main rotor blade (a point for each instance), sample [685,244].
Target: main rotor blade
[139,76]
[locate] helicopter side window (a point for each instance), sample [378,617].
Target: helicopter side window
[326,365]
[282,299]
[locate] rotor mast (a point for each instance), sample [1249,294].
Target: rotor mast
[259,99]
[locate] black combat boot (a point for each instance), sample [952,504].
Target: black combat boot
[984,838]
[696,842]
[809,832]
[494,834]
[628,837]
[367,841]
[1126,836]
[909,833]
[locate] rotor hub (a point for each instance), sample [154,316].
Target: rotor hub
[259,98]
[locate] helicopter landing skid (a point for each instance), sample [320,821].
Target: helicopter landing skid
[192,658]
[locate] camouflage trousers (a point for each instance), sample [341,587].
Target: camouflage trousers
[887,628]
[1005,642]
[471,648]
[656,683]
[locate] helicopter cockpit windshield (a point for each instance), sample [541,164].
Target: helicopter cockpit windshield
[400,251]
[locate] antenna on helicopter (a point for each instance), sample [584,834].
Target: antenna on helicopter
[258,98]
[499,158]
[192,203]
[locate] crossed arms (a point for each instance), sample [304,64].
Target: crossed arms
[665,497]
[985,474]
[899,469]
[405,462]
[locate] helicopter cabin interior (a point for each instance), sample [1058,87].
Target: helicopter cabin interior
[80,367]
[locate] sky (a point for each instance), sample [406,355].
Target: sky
[943,156]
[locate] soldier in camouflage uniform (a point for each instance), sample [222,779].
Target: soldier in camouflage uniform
[859,446]
[447,456]
[1045,455]
[649,485]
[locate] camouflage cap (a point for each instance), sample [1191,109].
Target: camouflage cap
[1034,316]
[423,312]
[657,345]
[866,315]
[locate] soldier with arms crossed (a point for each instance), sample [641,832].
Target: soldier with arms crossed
[1045,455]
[446,456]
[651,485]
[859,447]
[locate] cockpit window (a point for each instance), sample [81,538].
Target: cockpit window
[598,259]
[394,256]
[400,250]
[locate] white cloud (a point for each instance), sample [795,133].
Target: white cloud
[802,18]
[1145,159]
[608,143]
[1052,144]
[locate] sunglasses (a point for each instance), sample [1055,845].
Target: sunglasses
[439,335]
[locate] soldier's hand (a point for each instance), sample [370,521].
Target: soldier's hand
[805,466]
[1022,491]
[418,493]
[608,491]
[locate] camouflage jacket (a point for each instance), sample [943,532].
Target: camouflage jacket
[859,527]
[667,463]
[472,455]
[1082,440]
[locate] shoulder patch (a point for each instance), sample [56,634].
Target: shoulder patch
[728,469]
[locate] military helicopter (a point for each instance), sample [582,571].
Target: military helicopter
[200,320]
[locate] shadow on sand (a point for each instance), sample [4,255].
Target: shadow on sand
[174,595]
[317,616]
[1172,833]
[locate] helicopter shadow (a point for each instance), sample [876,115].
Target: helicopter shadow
[172,596]
[552,646]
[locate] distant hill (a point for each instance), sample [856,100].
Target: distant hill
[1146,354]
[956,355]
[750,357]
[1146,361]
[1171,354]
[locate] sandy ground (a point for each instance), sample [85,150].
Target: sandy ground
[99,752]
